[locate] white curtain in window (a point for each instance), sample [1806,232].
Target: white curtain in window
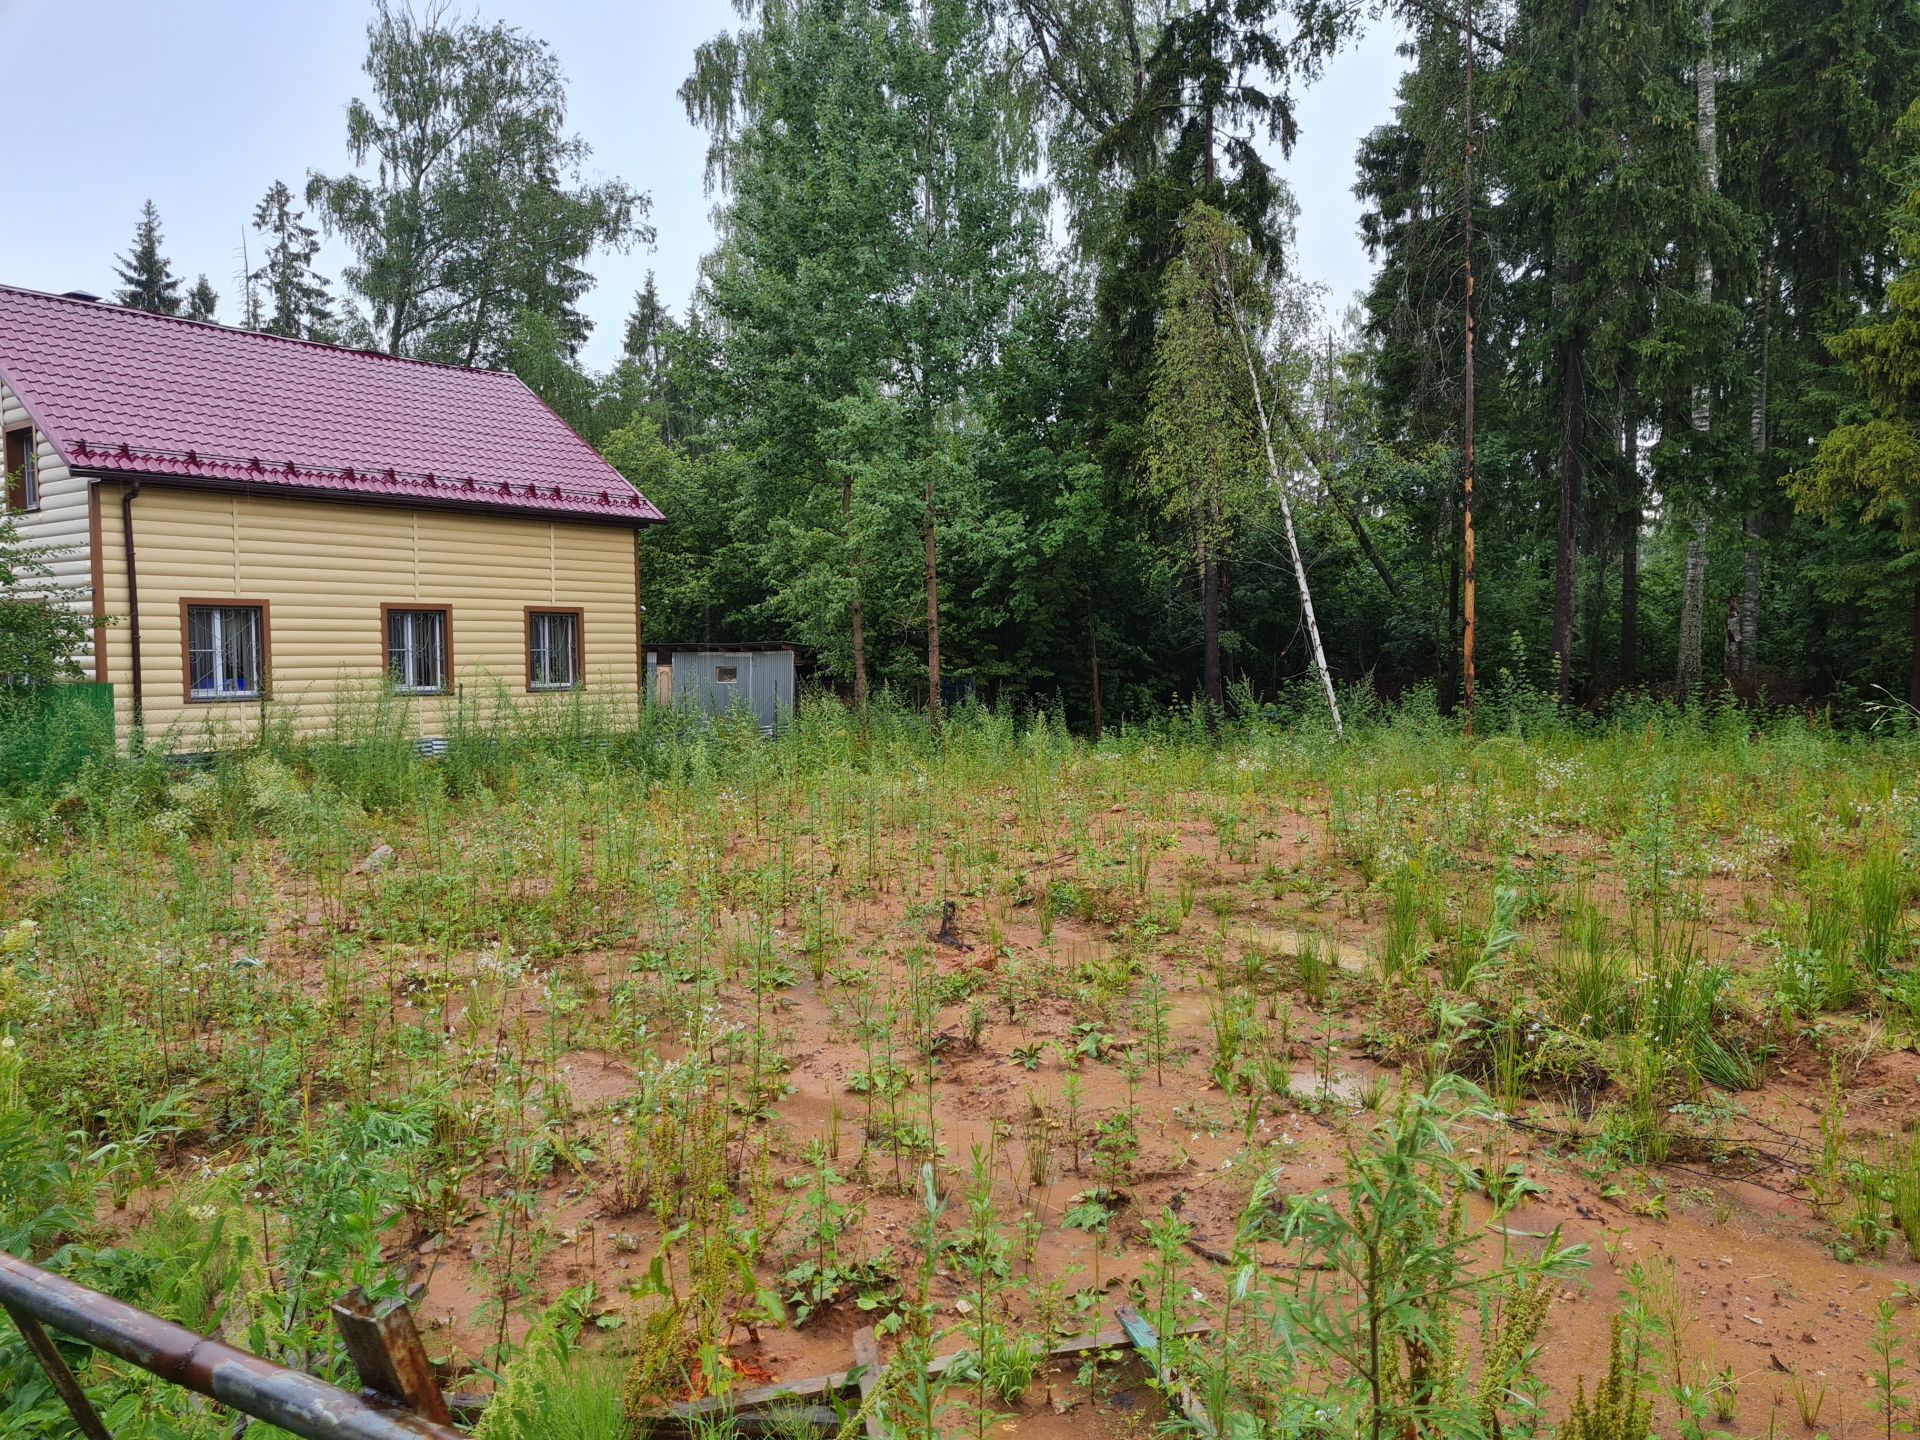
[223,650]
[417,650]
[553,641]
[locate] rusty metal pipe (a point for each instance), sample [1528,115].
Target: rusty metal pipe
[287,1398]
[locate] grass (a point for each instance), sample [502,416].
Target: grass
[649,1037]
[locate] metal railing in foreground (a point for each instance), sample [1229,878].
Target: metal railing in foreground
[400,1400]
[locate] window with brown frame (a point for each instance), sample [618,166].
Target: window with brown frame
[226,649]
[419,647]
[553,649]
[23,470]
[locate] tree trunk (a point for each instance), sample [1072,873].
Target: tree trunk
[1596,621]
[1750,601]
[1693,615]
[1467,418]
[859,658]
[1750,583]
[933,612]
[1453,652]
[1573,398]
[1573,416]
[1286,506]
[859,620]
[1093,653]
[1210,684]
[1913,676]
[1630,550]
[1693,599]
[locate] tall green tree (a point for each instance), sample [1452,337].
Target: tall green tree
[649,356]
[296,297]
[471,209]
[1412,180]
[1156,107]
[1866,470]
[1213,452]
[1811,91]
[202,301]
[1203,457]
[875,241]
[147,281]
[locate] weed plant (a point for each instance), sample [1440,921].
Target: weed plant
[313,1012]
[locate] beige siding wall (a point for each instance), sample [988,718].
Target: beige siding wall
[61,521]
[324,569]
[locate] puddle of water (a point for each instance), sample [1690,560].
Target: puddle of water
[1342,1086]
[1284,940]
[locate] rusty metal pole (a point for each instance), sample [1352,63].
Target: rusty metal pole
[295,1402]
[89,1423]
[387,1352]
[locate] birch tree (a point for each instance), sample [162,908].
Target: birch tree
[1211,455]
[876,242]
[468,206]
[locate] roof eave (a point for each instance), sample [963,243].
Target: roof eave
[626,516]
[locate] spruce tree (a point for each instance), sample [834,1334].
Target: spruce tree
[643,382]
[146,277]
[1811,89]
[296,300]
[202,300]
[647,329]
[1866,471]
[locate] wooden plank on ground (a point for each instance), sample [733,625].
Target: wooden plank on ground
[1147,1341]
[838,1382]
[866,1363]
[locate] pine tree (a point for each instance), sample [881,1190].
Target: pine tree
[1693,602]
[296,301]
[146,277]
[202,300]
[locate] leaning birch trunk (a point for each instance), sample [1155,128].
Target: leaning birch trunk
[1693,602]
[1286,509]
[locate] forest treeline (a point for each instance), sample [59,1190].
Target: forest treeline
[1000,376]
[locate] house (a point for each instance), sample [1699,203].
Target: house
[260,526]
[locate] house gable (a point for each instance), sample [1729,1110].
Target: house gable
[62,522]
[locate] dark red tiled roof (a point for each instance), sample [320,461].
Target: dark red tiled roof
[121,391]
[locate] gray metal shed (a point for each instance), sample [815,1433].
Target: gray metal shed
[722,678]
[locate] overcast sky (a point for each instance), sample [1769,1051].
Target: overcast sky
[201,106]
